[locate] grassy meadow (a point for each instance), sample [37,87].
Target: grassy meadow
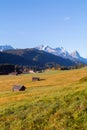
[57,102]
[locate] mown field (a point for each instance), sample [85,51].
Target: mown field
[57,102]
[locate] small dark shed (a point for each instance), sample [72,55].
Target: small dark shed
[35,79]
[18,88]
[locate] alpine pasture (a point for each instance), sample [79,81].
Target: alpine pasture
[57,102]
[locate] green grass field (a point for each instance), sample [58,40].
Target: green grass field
[58,102]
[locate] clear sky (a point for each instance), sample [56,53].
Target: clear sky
[29,23]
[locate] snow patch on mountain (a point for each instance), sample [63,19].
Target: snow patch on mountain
[75,54]
[5,47]
[60,51]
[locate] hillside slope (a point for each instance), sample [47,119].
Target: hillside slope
[40,58]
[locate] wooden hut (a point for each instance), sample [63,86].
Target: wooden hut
[35,79]
[18,88]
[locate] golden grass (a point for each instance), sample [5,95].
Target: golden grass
[55,80]
[51,103]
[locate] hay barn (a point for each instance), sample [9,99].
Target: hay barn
[18,88]
[35,79]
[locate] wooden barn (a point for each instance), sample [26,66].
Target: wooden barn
[35,79]
[18,88]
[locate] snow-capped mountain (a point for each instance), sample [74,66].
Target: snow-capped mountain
[5,47]
[60,51]
[75,54]
[45,48]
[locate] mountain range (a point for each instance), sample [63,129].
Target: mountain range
[40,55]
[32,57]
[60,51]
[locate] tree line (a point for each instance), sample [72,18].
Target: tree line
[8,68]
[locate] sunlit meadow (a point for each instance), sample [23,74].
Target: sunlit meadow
[57,102]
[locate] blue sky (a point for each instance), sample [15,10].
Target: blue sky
[29,23]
